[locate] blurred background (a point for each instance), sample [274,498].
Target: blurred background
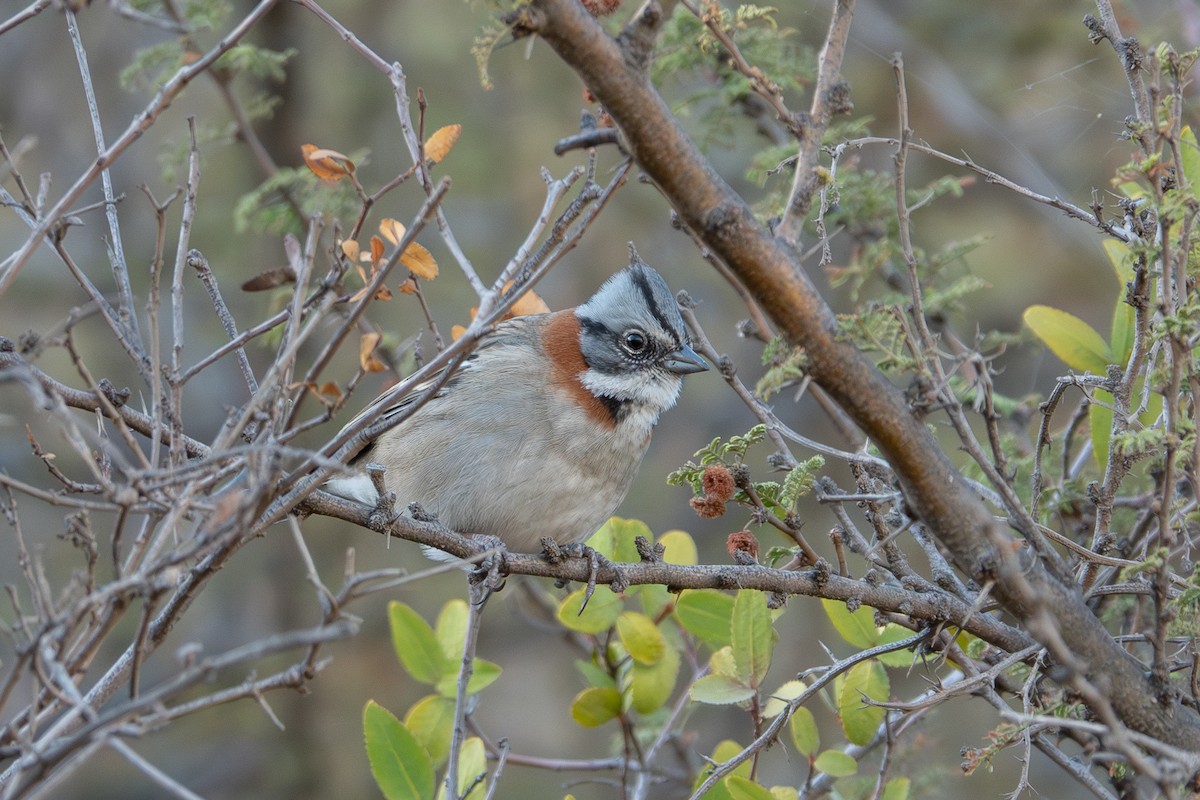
[1015,86]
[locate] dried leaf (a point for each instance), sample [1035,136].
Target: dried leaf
[392,230]
[420,262]
[407,286]
[456,332]
[438,145]
[366,353]
[328,165]
[327,393]
[350,249]
[376,249]
[529,303]
[269,279]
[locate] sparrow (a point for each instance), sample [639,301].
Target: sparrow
[540,431]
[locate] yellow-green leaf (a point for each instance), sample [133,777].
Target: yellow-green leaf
[725,750]
[399,763]
[615,538]
[595,706]
[897,658]
[720,690]
[595,675]
[806,738]
[679,548]
[721,662]
[451,628]
[483,674]
[741,788]
[860,720]
[650,685]
[751,636]
[836,763]
[706,614]
[471,765]
[779,698]
[1121,258]
[416,645]
[1189,154]
[641,637]
[431,722]
[897,789]
[857,628]
[1070,338]
[601,612]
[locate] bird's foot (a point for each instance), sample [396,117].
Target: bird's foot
[492,570]
[556,553]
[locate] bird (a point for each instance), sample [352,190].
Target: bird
[540,432]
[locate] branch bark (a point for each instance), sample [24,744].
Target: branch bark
[1051,606]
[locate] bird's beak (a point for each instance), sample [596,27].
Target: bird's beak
[685,361]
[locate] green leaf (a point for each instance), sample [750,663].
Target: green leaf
[431,721]
[897,789]
[720,690]
[1070,338]
[857,627]
[594,706]
[650,685]
[806,738]
[721,662]
[641,637]
[706,614]
[472,764]
[779,698]
[724,751]
[836,763]
[901,659]
[751,636]
[1121,259]
[595,675]
[416,646]
[451,629]
[601,612]
[615,538]
[399,763]
[1190,156]
[1124,318]
[655,599]
[740,788]
[1100,418]
[483,674]
[859,720]
[679,548]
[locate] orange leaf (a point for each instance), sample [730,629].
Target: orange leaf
[407,286]
[328,165]
[529,303]
[376,249]
[327,394]
[366,353]
[392,230]
[350,249]
[456,332]
[438,145]
[420,262]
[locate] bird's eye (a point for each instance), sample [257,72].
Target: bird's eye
[635,341]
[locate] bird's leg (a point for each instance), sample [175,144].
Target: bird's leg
[492,569]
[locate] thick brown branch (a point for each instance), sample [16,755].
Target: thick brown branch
[771,270]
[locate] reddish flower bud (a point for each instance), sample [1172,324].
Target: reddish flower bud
[718,483]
